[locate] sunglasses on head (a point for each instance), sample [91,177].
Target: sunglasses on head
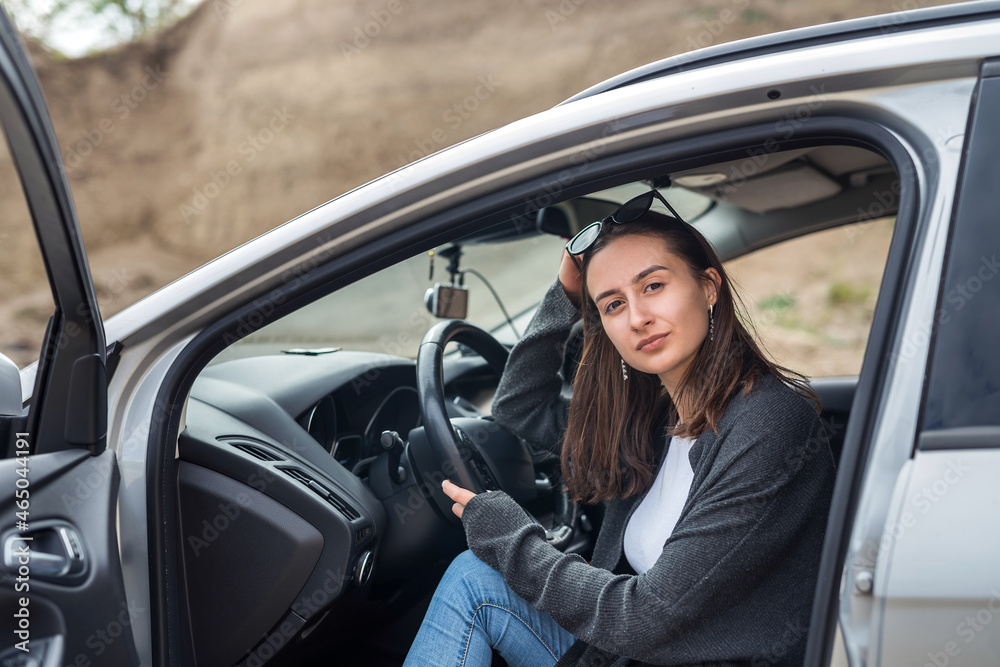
[630,211]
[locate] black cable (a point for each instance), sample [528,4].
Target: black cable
[495,296]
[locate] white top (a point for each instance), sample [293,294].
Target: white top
[654,519]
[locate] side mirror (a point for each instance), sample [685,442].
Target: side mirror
[10,387]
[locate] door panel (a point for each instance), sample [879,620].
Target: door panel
[68,601]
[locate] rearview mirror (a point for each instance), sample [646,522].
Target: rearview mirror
[553,220]
[567,218]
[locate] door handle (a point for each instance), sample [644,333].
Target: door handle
[51,551]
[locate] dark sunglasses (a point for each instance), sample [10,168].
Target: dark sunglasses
[630,211]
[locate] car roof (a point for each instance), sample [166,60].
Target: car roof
[904,20]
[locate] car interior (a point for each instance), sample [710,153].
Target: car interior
[312,526]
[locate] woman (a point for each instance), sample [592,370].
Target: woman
[714,467]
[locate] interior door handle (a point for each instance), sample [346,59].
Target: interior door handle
[51,551]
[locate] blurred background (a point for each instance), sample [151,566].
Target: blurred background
[189,128]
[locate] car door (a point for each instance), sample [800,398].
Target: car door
[62,598]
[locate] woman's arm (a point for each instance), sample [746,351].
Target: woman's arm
[529,401]
[761,516]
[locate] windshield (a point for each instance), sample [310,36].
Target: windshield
[385,312]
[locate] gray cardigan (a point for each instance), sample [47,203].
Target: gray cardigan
[734,584]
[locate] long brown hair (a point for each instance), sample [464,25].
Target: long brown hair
[610,446]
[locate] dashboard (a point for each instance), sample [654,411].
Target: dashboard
[343,400]
[349,427]
[283,484]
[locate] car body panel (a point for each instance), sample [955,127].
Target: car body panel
[937,519]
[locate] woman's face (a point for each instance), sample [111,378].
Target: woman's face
[653,310]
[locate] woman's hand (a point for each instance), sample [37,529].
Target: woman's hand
[459,495]
[569,277]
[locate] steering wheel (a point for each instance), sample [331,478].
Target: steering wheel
[475,453]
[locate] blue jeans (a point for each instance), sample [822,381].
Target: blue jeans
[474,610]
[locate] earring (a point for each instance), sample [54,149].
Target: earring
[711,324]
[624,370]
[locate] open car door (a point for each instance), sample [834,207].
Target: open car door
[62,599]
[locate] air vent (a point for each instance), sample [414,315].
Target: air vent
[256,452]
[326,494]
[299,475]
[349,512]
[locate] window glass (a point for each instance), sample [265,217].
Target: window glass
[385,312]
[25,296]
[812,299]
[963,388]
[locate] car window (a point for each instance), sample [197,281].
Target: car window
[385,312]
[812,299]
[25,296]
[963,390]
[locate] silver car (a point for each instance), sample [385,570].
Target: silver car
[243,467]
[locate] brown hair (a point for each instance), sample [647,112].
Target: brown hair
[610,446]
